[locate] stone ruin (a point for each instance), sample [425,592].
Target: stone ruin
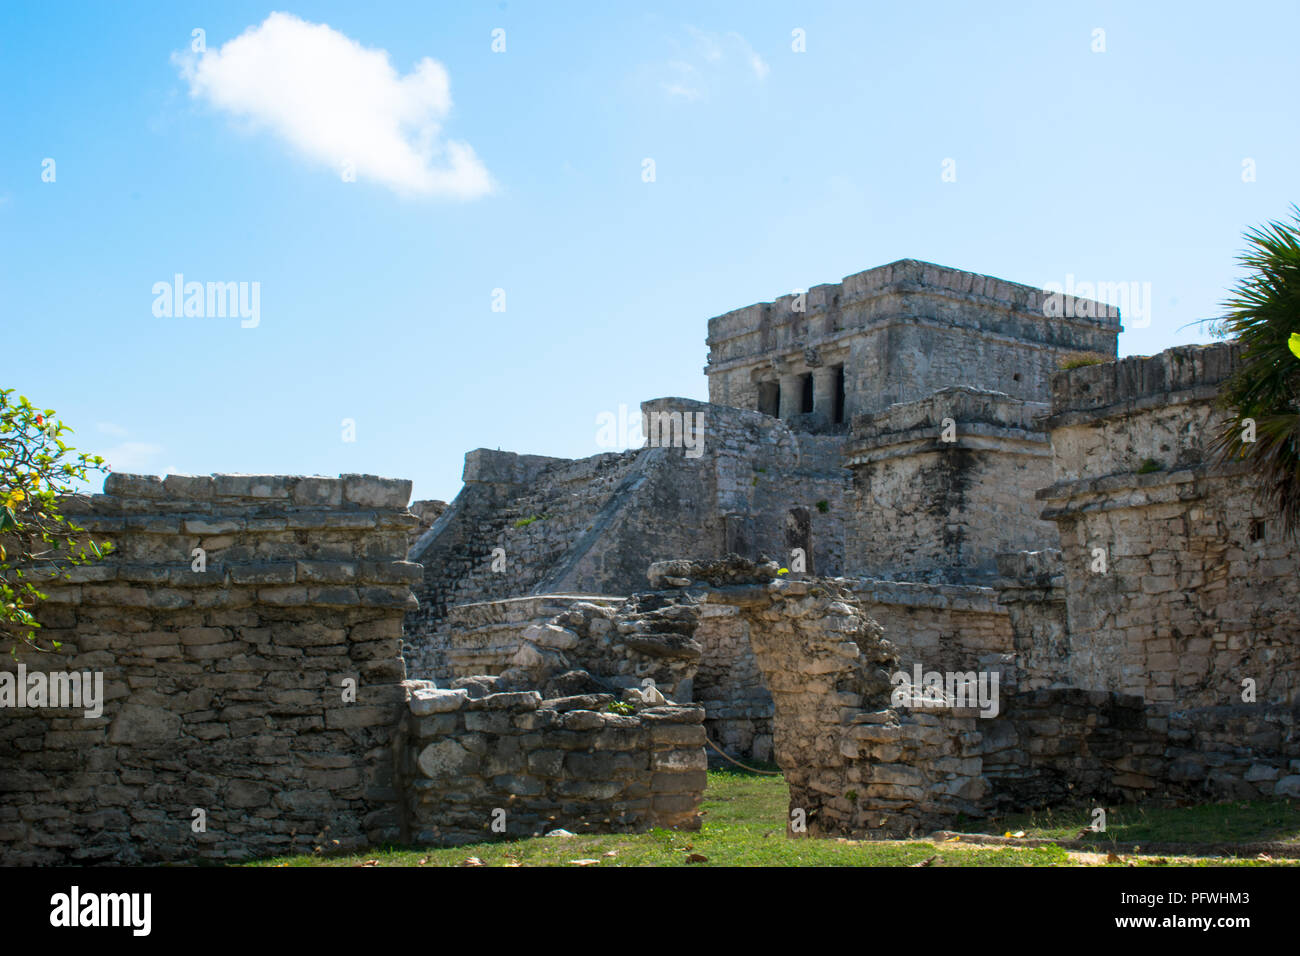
[891,478]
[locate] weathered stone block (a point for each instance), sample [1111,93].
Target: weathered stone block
[446,759]
[371,491]
[428,701]
[139,725]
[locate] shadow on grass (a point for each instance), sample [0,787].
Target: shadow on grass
[1243,822]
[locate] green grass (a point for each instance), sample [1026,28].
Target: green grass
[744,825]
[1259,821]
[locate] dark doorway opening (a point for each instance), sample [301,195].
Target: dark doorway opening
[837,415]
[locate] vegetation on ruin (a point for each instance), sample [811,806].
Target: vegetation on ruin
[1148,466]
[1262,398]
[1082,359]
[37,542]
[744,825]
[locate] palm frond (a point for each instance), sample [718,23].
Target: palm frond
[1262,311]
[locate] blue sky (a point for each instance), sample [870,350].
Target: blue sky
[774,170]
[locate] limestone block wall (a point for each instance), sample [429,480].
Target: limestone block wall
[1071,746]
[1064,746]
[1108,419]
[1200,588]
[943,627]
[931,510]
[901,331]
[729,684]
[1032,589]
[530,766]
[224,686]
[1229,752]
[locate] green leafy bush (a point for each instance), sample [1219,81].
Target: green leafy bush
[37,543]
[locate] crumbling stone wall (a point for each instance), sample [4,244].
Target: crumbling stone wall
[580,729]
[859,764]
[943,627]
[597,648]
[854,764]
[427,512]
[481,638]
[729,684]
[1200,588]
[482,766]
[224,686]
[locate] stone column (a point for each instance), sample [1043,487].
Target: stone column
[824,394]
[790,394]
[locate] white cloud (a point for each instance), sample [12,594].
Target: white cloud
[707,44]
[339,103]
[133,457]
[686,76]
[756,62]
[685,92]
[705,61]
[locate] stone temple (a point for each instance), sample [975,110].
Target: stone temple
[909,429]
[917,471]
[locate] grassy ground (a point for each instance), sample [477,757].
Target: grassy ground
[744,825]
[1275,821]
